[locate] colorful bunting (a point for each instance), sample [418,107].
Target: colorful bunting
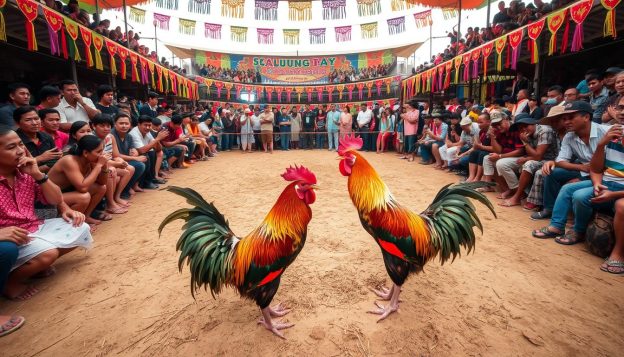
[233,8]
[396,25]
[238,34]
[266,10]
[123,53]
[212,31]
[343,33]
[368,7]
[398,5]
[265,36]
[369,30]
[299,10]
[167,4]
[466,61]
[137,15]
[515,39]
[163,21]
[186,27]
[29,9]
[330,91]
[609,24]
[423,19]
[73,32]
[500,46]
[448,66]
[111,47]
[199,6]
[334,9]
[555,20]
[317,36]
[474,56]
[2,22]
[134,59]
[533,31]
[98,44]
[486,50]
[55,24]
[449,13]
[291,36]
[578,13]
[87,39]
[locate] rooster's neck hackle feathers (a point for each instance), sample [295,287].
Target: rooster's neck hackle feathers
[368,192]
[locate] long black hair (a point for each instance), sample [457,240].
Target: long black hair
[77,125]
[86,143]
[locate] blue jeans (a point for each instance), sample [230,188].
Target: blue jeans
[320,140]
[553,183]
[285,140]
[410,143]
[8,256]
[226,141]
[425,150]
[365,134]
[577,196]
[332,140]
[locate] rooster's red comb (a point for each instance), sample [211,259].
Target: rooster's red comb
[349,143]
[299,173]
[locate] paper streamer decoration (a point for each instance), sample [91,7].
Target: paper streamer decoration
[98,44]
[500,46]
[87,39]
[187,27]
[265,36]
[350,87]
[266,10]
[199,6]
[369,30]
[72,30]
[533,31]
[133,62]
[474,56]
[167,4]
[449,13]
[137,15]
[317,36]
[29,9]
[448,66]
[555,20]
[238,34]
[368,7]
[343,33]
[423,19]
[291,36]
[334,9]
[123,54]
[340,88]
[111,47]
[515,39]
[2,22]
[55,24]
[233,8]
[609,24]
[299,10]
[163,21]
[398,5]
[486,50]
[396,25]
[212,31]
[578,13]
[330,91]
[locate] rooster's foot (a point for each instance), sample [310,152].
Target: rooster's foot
[384,311]
[279,310]
[275,326]
[384,293]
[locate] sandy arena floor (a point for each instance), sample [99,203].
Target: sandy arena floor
[515,296]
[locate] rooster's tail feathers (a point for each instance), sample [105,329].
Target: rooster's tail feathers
[451,218]
[207,242]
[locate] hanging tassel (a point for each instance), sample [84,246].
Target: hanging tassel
[87,39]
[300,10]
[2,22]
[199,6]
[566,36]
[123,54]
[449,13]
[233,8]
[578,13]
[369,30]
[98,44]
[137,15]
[368,7]
[609,28]
[291,37]
[555,21]
[266,10]
[334,9]
[29,8]
[457,62]
[500,47]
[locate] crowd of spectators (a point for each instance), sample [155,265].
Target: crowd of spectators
[507,19]
[233,75]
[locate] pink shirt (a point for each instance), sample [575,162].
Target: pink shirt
[17,203]
[60,139]
[411,128]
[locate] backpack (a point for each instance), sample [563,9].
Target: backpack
[600,236]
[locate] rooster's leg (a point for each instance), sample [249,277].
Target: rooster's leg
[279,310]
[273,325]
[392,306]
[384,293]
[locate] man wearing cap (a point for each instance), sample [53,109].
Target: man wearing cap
[580,142]
[609,79]
[521,103]
[458,153]
[540,144]
[364,118]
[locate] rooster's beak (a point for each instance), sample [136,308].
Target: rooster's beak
[315,187]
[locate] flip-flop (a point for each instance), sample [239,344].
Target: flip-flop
[45,273]
[570,238]
[615,267]
[485,189]
[506,203]
[103,216]
[14,323]
[545,233]
[118,210]
[28,293]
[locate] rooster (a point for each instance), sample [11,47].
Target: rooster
[408,240]
[254,264]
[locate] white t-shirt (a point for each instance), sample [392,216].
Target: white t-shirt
[203,127]
[364,118]
[255,122]
[71,114]
[138,140]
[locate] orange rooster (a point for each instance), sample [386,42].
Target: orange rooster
[408,240]
[253,264]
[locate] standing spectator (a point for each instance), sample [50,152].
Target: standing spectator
[295,127]
[309,118]
[598,96]
[266,129]
[229,130]
[105,105]
[521,103]
[39,144]
[333,123]
[50,97]
[386,127]
[19,96]
[151,107]
[520,83]
[365,115]
[285,124]
[73,106]
[346,122]
[255,125]
[320,126]
[247,138]
[410,127]
[50,121]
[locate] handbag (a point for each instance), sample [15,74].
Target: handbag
[600,236]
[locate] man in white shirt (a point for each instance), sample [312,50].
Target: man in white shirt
[73,106]
[523,101]
[146,144]
[363,120]
[255,126]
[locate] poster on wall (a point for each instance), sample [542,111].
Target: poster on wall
[300,70]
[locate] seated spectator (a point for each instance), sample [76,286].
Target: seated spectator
[105,105]
[176,140]
[598,96]
[76,132]
[120,171]
[74,107]
[609,79]
[149,147]
[50,97]
[170,155]
[19,96]
[540,144]
[40,244]
[569,96]
[560,198]
[435,138]
[533,108]
[40,145]
[127,152]
[460,158]
[50,120]
[583,86]
[452,138]
[206,129]
[610,114]
[150,109]
[193,131]
[481,147]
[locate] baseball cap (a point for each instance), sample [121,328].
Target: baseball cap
[465,121]
[523,118]
[578,106]
[613,70]
[497,116]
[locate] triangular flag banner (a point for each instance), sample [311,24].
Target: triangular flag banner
[265,36]
[334,9]
[578,13]
[163,21]
[448,67]
[199,6]
[486,51]
[73,32]
[111,47]
[98,44]
[555,20]
[474,56]
[350,88]
[466,62]
[330,92]
[133,61]
[187,27]
[87,39]
[212,31]
[515,39]
[343,33]
[291,36]
[123,54]
[29,9]
[317,36]
[609,24]
[423,19]
[396,25]
[369,30]
[457,61]
[137,15]
[500,46]
[368,7]
[299,10]
[533,31]
[266,10]
[167,4]
[238,34]
[340,88]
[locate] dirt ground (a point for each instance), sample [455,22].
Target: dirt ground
[514,296]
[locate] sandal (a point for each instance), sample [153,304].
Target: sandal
[485,189]
[612,266]
[570,238]
[103,216]
[545,233]
[543,214]
[14,323]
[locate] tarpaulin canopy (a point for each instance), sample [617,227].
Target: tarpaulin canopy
[452,4]
[89,5]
